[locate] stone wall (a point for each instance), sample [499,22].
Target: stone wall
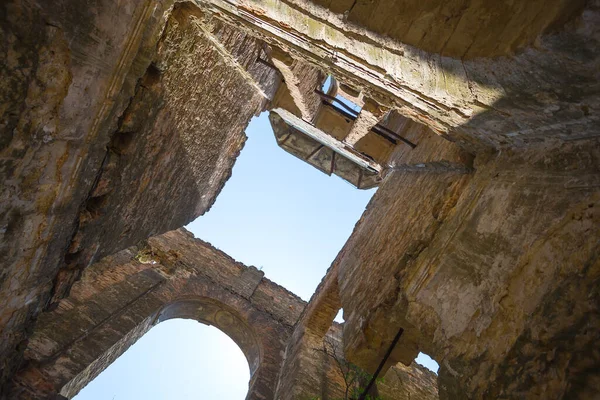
[120,298]
[408,383]
[119,121]
[315,365]
[174,275]
[301,79]
[303,372]
[494,273]
[546,91]
[462,29]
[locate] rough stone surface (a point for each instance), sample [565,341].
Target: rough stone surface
[116,125]
[303,372]
[190,152]
[408,383]
[309,372]
[493,273]
[120,298]
[121,120]
[546,91]
[366,120]
[301,79]
[459,28]
[175,275]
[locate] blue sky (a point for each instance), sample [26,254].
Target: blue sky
[276,213]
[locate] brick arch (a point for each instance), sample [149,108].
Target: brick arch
[120,298]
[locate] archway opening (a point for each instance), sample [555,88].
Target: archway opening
[176,359]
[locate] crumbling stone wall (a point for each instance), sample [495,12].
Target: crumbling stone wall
[175,275]
[458,223]
[301,79]
[494,273]
[462,29]
[546,91]
[408,383]
[315,363]
[120,298]
[119,121]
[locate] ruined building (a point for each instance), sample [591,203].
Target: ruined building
[478,121]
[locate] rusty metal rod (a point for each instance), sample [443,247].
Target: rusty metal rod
[363,395]
[268,64]
[331,98]
[406,141]
[378,128]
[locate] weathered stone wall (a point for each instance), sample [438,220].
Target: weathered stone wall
[546,91]
[116,125]
[301,79]
[304,369]
[175,143]
[432,150]
[120,298]
[462,29]
[61,91]
[314,364]
[408,383]
[121,120]
[175,275]
[494,273]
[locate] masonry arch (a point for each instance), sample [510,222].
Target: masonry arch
[206,310]
[176,359]
[122,297]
